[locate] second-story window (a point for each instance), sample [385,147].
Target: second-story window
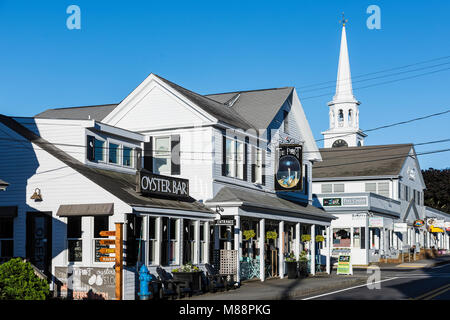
[161,155]
[127,159]
[234,159]
[113,153]
[99,152]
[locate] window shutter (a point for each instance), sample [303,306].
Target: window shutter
[224,155]
[90,154]
[175,152]
[148,155]
[263,156]
[253,163]
[245,158]
[138,158]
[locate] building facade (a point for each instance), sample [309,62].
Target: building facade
[377,192]
[187,174]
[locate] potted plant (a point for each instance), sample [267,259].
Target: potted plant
[249,234]
[291,264]
[303,264]
[189,273]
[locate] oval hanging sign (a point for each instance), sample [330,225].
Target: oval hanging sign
[419,223]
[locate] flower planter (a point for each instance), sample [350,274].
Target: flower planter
[303,269]
[194,278]
[292,270]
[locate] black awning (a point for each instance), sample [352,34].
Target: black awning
[92,209]
[8,212]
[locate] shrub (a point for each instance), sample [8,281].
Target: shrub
[19,282]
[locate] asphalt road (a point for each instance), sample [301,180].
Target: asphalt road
[416,284]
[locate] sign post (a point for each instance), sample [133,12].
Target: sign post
[118,251]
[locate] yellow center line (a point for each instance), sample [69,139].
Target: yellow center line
[437,293]
[430,293]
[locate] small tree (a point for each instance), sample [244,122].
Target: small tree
[19,282]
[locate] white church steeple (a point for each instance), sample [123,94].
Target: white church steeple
[344,108]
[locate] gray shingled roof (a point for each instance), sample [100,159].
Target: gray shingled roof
[253,109]
[78,113]
[271,202]
[379,160]
[258,107]
[216,109]
[121,185]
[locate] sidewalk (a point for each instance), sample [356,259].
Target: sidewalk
[418,264]
[284,289]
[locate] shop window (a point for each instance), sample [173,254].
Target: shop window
[101,223]
[74,241]
[127,157]
[169,241]
[152,240]
[113,153]
[162,156]
[6,237]
[135,244]
[189,241]
[341,237]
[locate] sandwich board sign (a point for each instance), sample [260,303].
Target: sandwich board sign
[344,265]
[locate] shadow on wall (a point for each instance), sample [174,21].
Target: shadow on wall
[36,233]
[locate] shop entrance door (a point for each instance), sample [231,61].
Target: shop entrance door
[39,241]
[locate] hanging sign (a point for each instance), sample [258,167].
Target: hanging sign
[419,223]
[289,171]
[376,222]
[400,227]
[344,265]
[224,222]
[148,183]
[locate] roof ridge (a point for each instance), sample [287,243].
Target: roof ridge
[245,91]
[79,107]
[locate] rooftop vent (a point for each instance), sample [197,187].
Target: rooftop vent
[233,100]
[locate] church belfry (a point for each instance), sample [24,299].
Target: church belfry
[344,108]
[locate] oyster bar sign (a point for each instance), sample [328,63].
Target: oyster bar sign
[153,184]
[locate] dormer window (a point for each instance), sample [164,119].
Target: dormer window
[127,160]
[113,153]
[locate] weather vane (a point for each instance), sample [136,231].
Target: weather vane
[343,21]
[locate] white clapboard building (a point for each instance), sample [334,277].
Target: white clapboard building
[377,192]
[187,174]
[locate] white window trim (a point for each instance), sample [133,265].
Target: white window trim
[154,157]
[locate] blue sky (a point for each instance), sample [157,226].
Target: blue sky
[220,46]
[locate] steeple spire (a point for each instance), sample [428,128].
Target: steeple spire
[344,90]
[344,108]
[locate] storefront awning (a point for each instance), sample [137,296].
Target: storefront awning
[97,209]
[8,212]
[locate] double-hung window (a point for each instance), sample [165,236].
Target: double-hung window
[162,155]
[381,188]
[169,241]
[99,152]
[234,159]
[74,241]
[152,225]
[101,223]
[114,153]
[127,159]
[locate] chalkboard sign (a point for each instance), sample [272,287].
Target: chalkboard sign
[98,254]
